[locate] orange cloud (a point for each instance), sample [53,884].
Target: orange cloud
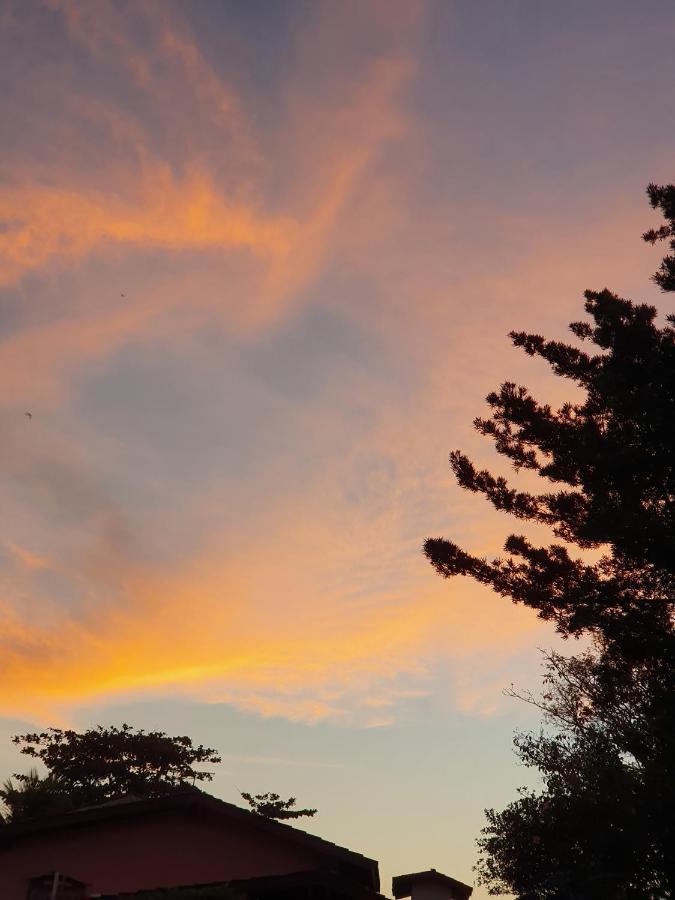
[111,33]
[182,643]
[276,629]
[277,632]
[46,223]
[266,259]
[26,558]
[313,601]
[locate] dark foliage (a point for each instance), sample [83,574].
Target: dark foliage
[32,796]
[663,198]
[103,763]
[273,807]
[610,460]
[602,826]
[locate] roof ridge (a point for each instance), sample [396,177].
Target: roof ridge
[190,797]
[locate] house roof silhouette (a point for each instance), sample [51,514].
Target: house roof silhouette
[184,820]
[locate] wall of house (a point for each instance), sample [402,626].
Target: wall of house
[169,849]
[431,891]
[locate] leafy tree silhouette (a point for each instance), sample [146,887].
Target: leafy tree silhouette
[102,763]
[273,807]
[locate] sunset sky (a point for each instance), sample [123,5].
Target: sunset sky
[258,262]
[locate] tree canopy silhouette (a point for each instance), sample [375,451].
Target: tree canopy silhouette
[102,763]
[603,824]
[273,807]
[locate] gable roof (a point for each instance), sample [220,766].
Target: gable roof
[363,869]
[402,885]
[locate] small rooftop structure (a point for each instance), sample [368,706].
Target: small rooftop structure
[429,885]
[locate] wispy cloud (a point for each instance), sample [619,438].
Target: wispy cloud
[249,333]
[26,558]
[157,196]
[47,223]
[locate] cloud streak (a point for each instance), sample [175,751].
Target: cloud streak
[44,223]
[250,316]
